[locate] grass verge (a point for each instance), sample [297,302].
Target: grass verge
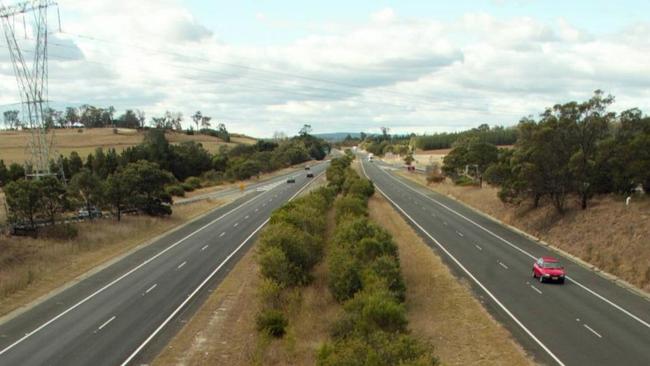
[440,309]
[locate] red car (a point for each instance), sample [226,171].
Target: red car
[549,269]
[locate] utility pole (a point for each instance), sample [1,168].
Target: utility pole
[32,79]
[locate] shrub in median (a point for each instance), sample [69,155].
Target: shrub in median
[272,322]
[194,182]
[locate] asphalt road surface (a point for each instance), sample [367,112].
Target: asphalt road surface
[587,321]
[126,312]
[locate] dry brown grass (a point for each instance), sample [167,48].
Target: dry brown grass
[608,235]
[13,143]
[31,268]
[223,330]
[442,310]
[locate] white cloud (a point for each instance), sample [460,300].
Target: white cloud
[411,74]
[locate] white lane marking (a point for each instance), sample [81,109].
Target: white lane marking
[204,247]
[459,233]
[235,224]
[181,265]
[536,289]
[246,217]
[503,265]
[106,323]
[263,204]
[594,293]
[191,295]
[444,223]
[478,247]
[222,234]
[257,209]
[471,276]
[151,288]
[102,289]
[593,331]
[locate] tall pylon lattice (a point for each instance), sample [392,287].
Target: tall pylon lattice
[32,79]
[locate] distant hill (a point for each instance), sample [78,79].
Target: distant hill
[337,136]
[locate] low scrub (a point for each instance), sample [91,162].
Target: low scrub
[365,277]
[175,190]
[289,249]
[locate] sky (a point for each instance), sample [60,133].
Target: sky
[413,66]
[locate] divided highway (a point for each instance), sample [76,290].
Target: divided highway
[587,321]
[119,315]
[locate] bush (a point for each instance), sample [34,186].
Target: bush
[350,206]
[175,190]
[384,272]
[463,180]
[344,275]
[370,311]
[59,232]
[187,187]
[194,182]
[272,322]
[275,266]
[270,294]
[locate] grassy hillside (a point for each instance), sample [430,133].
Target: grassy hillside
[13,144]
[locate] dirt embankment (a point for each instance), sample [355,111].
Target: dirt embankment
[609,235]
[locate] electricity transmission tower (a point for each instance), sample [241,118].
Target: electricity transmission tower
[32,79]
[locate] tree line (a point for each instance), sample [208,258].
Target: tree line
[144,177]
[575,149]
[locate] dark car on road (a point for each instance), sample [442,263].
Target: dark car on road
[310,175]
[307,167]
[549,269]
[291,180]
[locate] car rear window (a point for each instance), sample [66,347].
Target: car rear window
[552,265]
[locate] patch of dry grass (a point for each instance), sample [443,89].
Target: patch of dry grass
[31,268]
[13,143]
[608,235]
[440,309]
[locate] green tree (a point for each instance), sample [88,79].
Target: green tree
[11,119]
[87,188]
[118,190]
[53,196]
[16,171]
[24,200]
[4,173]
[147,184]
[76,164]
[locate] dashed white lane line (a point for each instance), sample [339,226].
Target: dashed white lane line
[222,234]
[459,233]
[246,217]
[444,223]
[204,247]
[478,247]
[105,323]
[257,209]
[591,330]
[151,288]
[536,289]
[503,265]
[181,265]
[235,225]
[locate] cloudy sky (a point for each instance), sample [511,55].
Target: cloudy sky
[414,66]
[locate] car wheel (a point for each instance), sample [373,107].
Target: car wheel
[562,281]
[541,279]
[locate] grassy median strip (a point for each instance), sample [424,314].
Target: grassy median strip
[32,267]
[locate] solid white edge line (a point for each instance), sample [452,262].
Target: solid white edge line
[616,306]
[468,273]
[106,323]
[191,295]
[591,330]
[102,289]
